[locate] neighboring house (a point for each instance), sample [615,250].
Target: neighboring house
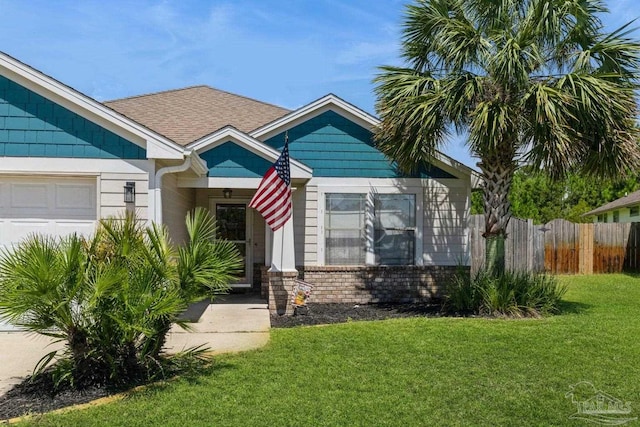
[361,230]
[624,209]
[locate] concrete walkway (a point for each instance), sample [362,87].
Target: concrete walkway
[233,323]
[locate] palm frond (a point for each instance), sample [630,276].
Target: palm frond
[206,262]
[539,74]
[414,122]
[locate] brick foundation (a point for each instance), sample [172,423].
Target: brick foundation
[264,282]
[373,284]
[280,286]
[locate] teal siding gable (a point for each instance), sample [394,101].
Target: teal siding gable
[33,126]
[234,161]
[334,146]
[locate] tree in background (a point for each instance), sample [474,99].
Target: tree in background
[535,195]
[531,81]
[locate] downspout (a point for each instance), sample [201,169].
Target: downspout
[157,217]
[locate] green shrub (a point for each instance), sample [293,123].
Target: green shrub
[463,295]
[504,294]
[112,298]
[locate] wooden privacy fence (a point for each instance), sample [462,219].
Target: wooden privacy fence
[524,247]
[562,247]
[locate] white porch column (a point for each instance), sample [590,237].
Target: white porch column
[283,254]
[283,273]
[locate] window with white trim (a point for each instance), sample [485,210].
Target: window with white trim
[395,228]
[344,226]
[384,225]
[634,211]
[616,216]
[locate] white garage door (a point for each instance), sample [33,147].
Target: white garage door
[55,206]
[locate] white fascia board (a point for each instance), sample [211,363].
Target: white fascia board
[204,182]
[344,182]
[326,103]
[163,152]
[198,165]
[221,182]
[229,133]
[333,103]
[477,180]
[397,183]
[70,166]
[156,145]
[452,166]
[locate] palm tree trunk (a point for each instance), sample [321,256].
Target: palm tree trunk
[79,348]
[154,344]
[497,171]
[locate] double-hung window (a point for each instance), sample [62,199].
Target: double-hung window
[372,228]
[395,228]
[344,225]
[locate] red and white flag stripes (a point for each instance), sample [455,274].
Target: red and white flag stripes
[273,197]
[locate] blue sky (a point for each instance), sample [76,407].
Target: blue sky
[284,52]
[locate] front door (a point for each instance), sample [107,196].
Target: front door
[233,222]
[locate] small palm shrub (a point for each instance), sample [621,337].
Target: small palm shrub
[112,298]
[504,294]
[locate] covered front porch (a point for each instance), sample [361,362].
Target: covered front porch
[245,227]
[235,164]
[267,255]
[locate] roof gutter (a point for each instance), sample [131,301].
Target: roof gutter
[192,161]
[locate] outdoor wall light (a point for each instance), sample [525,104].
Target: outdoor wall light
[130,192]
[227,193]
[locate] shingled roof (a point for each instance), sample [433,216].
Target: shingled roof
[186,115]
[628,200]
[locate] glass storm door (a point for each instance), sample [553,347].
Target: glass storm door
[231,219]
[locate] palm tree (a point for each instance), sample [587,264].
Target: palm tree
[112,298]
[530,81]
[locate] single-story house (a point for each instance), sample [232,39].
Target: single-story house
[624,209]
[361,230]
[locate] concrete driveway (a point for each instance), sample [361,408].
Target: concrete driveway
[233,323]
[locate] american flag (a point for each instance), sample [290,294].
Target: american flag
[273,197]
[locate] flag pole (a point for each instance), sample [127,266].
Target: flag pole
[286,142]
[274,202]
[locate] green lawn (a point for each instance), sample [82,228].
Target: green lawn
[444,371]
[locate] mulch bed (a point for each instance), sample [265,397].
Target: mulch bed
[323,314]
[37,397]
